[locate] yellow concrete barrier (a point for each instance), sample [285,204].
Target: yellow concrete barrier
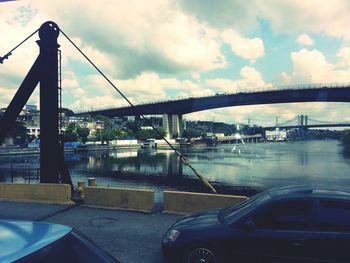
[185,202]
[128,199]
[42,193]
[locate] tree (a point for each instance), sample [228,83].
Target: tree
[253,130]
[19,133]
[128,134]
[107,135]
[160,134]
[150,134]
[71,135]
[143,135]
[133,126]
[193,133]
[83,133]
[121,134]
[102,118]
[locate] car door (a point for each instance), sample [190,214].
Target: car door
[331,239]
[278,232]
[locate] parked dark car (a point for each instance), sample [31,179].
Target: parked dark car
[290,224]
[38,242]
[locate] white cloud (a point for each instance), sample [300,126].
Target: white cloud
[251,80]
[287,16]
[146,87]
[344,56]
[132,49]
[318,16]
[247,48]
[153,36]
[312,66]
[305,39]
[146,46]
[224,13]
[97,102]
[6,96]
[69,80]
[265,115]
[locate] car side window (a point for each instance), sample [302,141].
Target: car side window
[334,215]
[285,215]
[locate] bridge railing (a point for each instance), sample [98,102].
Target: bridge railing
[267,88]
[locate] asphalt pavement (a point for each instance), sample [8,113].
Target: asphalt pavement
[131,237]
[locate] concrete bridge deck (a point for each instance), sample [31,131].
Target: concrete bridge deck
[129,236]
[307,93]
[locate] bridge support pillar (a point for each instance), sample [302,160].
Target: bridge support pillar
[173,125]
[167,125]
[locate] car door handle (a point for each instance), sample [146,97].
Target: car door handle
[297,242]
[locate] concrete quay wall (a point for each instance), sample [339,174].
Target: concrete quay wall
[128,199]
[118,198]
[187,202]
[41,193]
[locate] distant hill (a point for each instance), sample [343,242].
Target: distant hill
[67,112]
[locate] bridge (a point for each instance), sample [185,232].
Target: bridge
[303,122]
[172,110]
[335,125]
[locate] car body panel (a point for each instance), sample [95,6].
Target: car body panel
[21,238]
[234,242]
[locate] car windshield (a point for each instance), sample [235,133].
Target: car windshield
[243,103]
[169,106]
[227,215]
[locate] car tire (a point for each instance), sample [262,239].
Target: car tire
[200,253]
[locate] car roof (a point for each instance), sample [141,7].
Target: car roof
[311,191]
[21,238]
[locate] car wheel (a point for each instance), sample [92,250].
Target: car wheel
[200,254]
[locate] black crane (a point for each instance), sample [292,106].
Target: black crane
[45,71]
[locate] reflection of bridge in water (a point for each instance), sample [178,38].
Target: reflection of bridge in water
[171,176]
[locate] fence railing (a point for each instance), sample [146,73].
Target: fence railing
[27,175]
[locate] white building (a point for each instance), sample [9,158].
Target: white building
[276,135]
[33,131]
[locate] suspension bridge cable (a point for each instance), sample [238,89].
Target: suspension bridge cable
[184,160]
[288,121]
[10,52]
[327,122]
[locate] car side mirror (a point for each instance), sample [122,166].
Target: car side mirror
[249,226]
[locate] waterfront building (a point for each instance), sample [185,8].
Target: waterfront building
[276,135]
[33,131]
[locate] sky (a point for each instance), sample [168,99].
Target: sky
[167,49]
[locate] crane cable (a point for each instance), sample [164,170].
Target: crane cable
[184,160]
[6,56]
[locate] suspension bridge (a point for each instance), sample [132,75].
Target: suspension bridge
[304,121]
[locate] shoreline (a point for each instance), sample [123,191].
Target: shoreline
[31,151]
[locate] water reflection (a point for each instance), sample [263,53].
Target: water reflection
[303,158]
[250,165]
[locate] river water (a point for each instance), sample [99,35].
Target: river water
[256,166]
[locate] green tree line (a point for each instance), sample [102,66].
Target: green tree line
[109,133]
